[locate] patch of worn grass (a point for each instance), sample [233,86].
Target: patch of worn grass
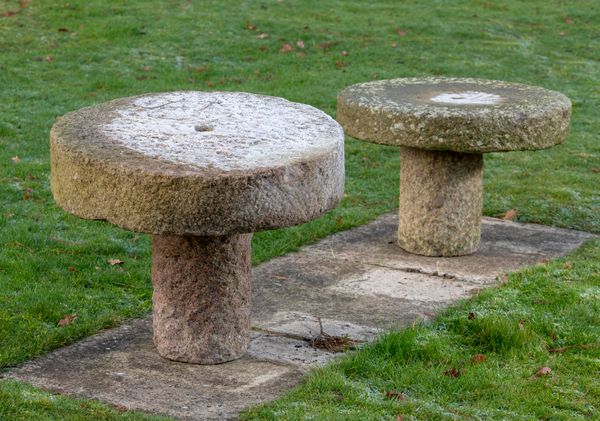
[476,361]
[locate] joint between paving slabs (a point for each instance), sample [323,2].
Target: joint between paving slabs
[409,269]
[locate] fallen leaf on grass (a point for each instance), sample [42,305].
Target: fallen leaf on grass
[22,5]
[568,20]
[326,46]
[63,30]
[400,32]
[15,159]
[596,170]
[393,394]
[286,48]
[510,215]
[250,26]
[478,358]
[300,43]
[340,64]
[471,316]
[344,53]
[49,59]
[72,269]
[394,45]
[543,371]
[262,36]
[67,319]
[114,262]
[453,372]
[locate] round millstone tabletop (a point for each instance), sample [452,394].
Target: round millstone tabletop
[455,114]
[198,163]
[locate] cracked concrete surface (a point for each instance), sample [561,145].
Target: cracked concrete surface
[354,284]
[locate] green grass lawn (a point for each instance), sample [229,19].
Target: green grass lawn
[56,57]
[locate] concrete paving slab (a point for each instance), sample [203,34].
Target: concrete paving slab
[356,283]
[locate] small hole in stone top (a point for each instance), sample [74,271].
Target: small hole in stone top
[202,128]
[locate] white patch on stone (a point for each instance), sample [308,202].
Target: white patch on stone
[468,97]
[406,285]
[224,130]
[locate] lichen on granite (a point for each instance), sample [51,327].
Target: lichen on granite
[455,114]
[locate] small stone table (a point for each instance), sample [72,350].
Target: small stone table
[443,126]
[200,172]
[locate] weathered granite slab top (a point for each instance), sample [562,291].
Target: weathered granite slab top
[455,114]
[198,163]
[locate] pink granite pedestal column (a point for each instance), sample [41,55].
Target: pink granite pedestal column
[201,300]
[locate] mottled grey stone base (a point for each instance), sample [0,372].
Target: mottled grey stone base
[355,283]
[201,297]
[441,197]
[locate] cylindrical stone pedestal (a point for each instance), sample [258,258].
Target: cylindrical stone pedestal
[441,197]
[201,300]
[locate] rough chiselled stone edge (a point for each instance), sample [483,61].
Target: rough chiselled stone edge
[145,194]
[459,129]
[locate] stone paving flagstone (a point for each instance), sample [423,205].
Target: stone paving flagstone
[354,283]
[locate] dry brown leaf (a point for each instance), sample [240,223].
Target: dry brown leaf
[286,48]
[394,45]
[568,20]
[400,32]
[114,262]
[453,372]
[49,58]
[510,215]
[478,358]
[393,394]
[300,43]
[67,319]
[15,159]
[344,53]
[250,26]
[264,35]
[543,371]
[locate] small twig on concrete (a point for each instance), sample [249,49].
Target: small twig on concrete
[332,343]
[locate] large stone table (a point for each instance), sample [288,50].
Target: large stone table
[200,172]
[443,126]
